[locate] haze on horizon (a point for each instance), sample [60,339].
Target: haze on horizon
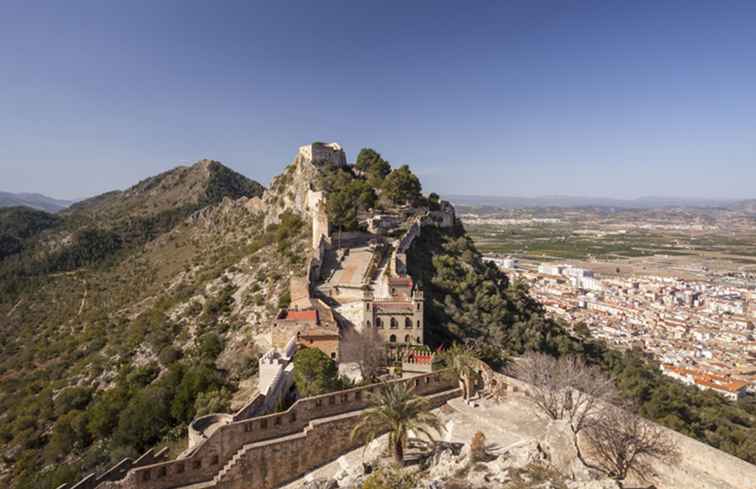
[593,99]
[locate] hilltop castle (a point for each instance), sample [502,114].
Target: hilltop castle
[357,290]
[356,295]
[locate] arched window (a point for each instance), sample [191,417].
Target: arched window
[418,306]
[378,322]
[367,323]
[392,338]
[419,325]
[394,323]
[408,339]
[367,306]
[408,323]
[419,340]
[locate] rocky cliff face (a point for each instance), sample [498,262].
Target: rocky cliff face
[296,189]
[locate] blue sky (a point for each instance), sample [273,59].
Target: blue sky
[619,99]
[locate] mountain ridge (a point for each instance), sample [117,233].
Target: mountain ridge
[34,201]
[132,312]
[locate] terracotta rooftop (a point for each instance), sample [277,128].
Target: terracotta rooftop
[308,315]
[733,386]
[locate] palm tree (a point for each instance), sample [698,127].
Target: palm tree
[396,410]
[463,364]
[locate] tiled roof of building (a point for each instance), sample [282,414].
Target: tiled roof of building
[307,315]
[720,383]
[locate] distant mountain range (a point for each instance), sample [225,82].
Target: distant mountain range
[35,201]
[508,202]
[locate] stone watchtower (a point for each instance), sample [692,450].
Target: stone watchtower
[324,153]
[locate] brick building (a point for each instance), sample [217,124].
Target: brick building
[314,327]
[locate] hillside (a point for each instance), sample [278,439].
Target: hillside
[173,278]
[18,225]
[129,314]
[33,201]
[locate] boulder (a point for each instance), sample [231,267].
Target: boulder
[521,455]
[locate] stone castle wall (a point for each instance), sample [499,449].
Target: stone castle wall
[324,153]
[282,432]
[269,464]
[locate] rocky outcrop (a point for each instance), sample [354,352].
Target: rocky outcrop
[531,464]
[296,189]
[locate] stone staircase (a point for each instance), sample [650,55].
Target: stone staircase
[218,479]
[222,472]
[230,464]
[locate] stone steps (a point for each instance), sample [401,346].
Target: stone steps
[217,480]
[230,464]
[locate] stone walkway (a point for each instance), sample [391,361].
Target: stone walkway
[352,269]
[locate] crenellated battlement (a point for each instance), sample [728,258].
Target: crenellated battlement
[279,447]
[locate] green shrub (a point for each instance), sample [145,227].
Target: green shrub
[72,398]
[209,346]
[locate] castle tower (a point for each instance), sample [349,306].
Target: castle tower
[418,302]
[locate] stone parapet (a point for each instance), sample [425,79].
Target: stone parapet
[210,456]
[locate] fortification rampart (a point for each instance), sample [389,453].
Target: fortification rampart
[119,470]
[293,457]
[280,429]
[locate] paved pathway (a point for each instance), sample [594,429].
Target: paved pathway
[352,268]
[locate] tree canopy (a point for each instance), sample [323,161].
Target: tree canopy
[402,186]
[370,162]
[314,373]
[344,204]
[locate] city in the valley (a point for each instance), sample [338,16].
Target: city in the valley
[678,284]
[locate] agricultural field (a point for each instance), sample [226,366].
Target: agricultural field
[638,240]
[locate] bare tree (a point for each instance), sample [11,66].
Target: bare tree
[370,354]
[622,443]
[565,388]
